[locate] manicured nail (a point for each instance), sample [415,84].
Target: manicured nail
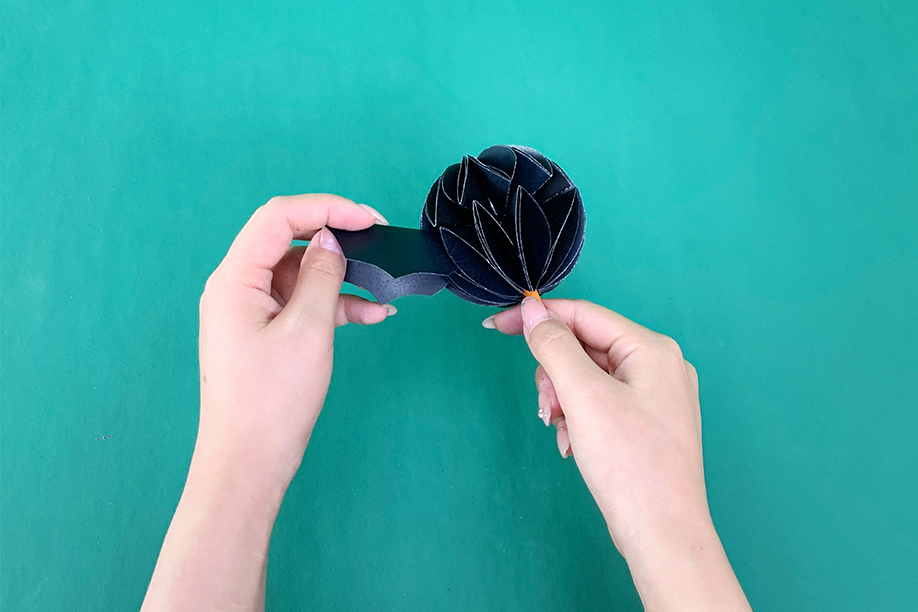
[327,241]
[544,408]
[489,323]
[564,442]
[534,312]
[391,310]
[379,218]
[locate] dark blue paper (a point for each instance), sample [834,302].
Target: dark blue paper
[494,229]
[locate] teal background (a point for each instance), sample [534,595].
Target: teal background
[750,173]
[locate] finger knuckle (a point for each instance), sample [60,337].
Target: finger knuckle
[260,211]
[208,286]
[324,267]
[669,346]
[550,334]
[692,372]
[211,284]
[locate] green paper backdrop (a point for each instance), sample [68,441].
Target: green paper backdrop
[750,174]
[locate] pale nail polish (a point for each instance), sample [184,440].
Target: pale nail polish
[534,312]
[489,323]
[391,310]
[327,241]
[544,408]
[564,442]
[379,218]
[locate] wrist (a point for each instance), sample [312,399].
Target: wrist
[688,570]
[238,479]
[262,455]
[663,535]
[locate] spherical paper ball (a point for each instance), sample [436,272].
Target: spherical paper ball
[511,221]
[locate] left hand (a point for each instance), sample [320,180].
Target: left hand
[267,319]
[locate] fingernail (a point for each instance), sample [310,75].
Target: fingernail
[379,218]
[543,384]
[564,443]
[534,312]
[489,323]
[544,408]
[327,241]
[391,310]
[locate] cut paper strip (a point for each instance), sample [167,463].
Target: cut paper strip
[493,229]
[390,262]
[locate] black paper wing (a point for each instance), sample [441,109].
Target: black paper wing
[390,262]
[511,221]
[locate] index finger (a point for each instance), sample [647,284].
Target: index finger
[267,235]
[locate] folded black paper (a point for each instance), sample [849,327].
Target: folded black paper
[390,262]
[494,229]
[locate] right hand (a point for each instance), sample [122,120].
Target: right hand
[625,405]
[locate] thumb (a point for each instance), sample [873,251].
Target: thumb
[318,283]
[556,348]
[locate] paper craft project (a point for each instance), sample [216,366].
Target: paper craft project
[494,229]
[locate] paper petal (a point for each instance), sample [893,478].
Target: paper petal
[501,157]
[473,293]
[529,174]
[558,183]
[496,185]
[568,239]
[558,208]
[500,250]
[429,212]
[450,182]
[565,269]
[472,262]
[546,163]
[450,213]
[532,234]
[577,240]
[471,187]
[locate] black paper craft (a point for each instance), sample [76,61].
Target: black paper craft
[494,229]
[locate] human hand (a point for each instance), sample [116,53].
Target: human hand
[268,315]
[625,405]
[267,319]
